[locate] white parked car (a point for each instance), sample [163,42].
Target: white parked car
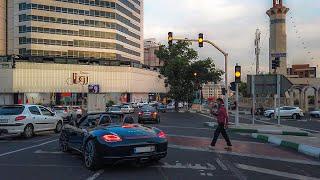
[28,119]
[315,113]
[170,106]
[66,112]
[114,109]
[127,109]
[140,104]
[78,111]
[285,111]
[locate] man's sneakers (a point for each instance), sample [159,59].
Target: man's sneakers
[228,148]
[211,147]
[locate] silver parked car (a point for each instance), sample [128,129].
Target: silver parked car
[66,112]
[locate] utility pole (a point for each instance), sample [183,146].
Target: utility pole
[279,96]
[257,50]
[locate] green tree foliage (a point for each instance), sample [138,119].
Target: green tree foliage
[180,64]
[243,89]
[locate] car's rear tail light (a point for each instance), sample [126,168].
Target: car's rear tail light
[155,113]
[20,118]
[65,111]
[140,113]
[111,138]
[128,126]
[162,135]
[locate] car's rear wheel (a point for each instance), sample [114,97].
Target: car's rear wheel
[140,121]
[28,131]
[271,116]
[91,159]
[58,127]
[295,116]
[63,142]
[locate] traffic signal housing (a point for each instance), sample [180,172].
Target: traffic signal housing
[200,40]
[233,86]
[170,38]
[237,73]
[276,63]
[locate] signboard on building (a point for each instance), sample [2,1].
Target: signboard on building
[274,55]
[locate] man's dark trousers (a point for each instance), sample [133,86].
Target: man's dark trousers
[222,130]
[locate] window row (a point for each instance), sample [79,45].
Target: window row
[78,43]
[105,4]
[81,33]
[70,53]
[94,13]
[130,5]
[90,23]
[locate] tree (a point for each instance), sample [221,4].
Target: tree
[243,89]
[180,64]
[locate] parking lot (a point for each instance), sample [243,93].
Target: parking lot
[188,157]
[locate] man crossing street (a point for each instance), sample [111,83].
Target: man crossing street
[222,119]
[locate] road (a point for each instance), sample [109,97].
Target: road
[188,158]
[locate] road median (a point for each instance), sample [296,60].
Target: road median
[306,145]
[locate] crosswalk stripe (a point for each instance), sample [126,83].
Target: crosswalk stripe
[220,163]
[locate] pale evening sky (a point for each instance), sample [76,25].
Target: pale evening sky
[232,25]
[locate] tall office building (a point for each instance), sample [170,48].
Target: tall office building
[110,30]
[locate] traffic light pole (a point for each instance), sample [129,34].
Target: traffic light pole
[279,97]
[237,105]
[226,101]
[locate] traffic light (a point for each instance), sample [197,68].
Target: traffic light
[200,40]
[170,38]
[237,72]
[277,62]
[233,86]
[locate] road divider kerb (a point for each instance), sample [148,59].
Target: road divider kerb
[302,148]
[262,131]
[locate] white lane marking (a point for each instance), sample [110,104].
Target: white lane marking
[308,162]
[40,165]
[209,174]
[95,175]
[220,163]
[211,166]
[29,147]
[273,172]
[203,174]
[48,152]
[186,166]
[179,127]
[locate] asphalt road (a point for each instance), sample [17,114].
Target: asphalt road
[188,158]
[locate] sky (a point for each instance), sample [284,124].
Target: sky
[232,25]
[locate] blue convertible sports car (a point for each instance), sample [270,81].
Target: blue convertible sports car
[104,138]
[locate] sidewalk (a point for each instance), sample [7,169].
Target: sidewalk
[263,129]
[307,145]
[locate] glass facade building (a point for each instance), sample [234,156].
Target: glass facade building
[110,30]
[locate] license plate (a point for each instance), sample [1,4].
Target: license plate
[3,120]
[144,149]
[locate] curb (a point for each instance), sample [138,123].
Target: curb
[275,132]
[302,148]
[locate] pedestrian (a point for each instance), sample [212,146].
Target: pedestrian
[222,119]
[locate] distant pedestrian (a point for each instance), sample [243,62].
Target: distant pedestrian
[222,119]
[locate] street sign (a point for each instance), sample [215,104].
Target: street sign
[278,54]
[267,85]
